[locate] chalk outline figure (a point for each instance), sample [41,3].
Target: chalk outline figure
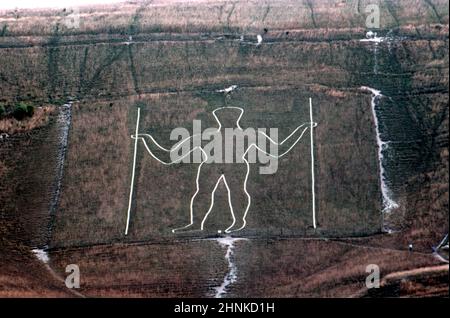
[222,177]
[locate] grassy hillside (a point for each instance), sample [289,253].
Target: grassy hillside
[178,55]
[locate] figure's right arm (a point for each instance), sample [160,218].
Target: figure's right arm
[160,153]
[155,150]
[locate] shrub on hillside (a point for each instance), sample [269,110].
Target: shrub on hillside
[30,110]
[23,110]
[2,110]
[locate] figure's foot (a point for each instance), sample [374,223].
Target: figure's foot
[186,229]
[235,228]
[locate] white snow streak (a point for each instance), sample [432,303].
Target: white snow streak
[372,37]
[259,39]
[41,255]
[231,276]
[388,203]
[227,90]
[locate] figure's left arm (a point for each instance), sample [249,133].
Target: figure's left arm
[289,142]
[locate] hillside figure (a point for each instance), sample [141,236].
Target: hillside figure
[212,171]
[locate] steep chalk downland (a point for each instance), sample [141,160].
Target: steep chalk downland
[416,126]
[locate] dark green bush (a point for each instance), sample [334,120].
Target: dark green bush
[2,110]
[4,30]
[30,110]
[23,110]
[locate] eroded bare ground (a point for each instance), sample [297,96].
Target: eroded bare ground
[172,64]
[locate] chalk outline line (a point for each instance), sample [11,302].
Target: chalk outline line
[313,191]
[132,174]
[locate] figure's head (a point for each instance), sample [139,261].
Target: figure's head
[228,116]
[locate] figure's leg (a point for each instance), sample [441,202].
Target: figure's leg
[239,197]
[202,199]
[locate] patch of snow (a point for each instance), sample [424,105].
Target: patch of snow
[227,90]
[376,40]
[388,203]
[130,40]
[259,39]
[372,37]
[64,121]
[389,38]
[41,255]
[231,276]
[370,34]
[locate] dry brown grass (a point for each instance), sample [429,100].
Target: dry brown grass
[225,16]
[266,268]
[96,174]
[39,119]
[22,275]
[96,182]
[324,61]
[182,269]
[292,268]
[431,281]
